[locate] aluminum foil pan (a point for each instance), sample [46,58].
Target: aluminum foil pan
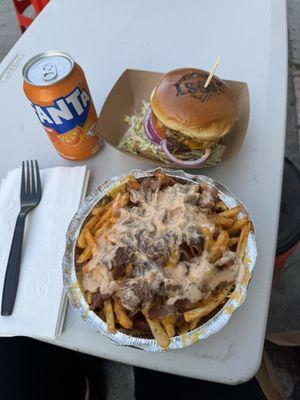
[78,302]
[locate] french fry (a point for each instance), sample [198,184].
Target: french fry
[95,210]
[215,253]
[157,331]
[195,323]
[90,240]
[103,219]
[109,316]
[223,239]
[101,230]
[221,206]
[219,246]
[114,193]
[89,297]
[110,216]
[113,220]
[183,328]
[120,201]
[98,209]
[85,255]
[132,183]
[97,213]
[81,242]
[131,178]
[241,247]
[121,315]
[101,207]
[237,225]
[208,238]
[122,188]
[223,221]
[173,260]
[231,213]
[111,210]
[125,199]
[168,324]
[116,202]
[208,306]
[128,270]
[85,268]
[233,241]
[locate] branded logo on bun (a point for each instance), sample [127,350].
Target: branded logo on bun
[193,84]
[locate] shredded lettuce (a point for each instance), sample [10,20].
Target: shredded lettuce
[216,154]
[135,141]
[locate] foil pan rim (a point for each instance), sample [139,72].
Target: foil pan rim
[79,304]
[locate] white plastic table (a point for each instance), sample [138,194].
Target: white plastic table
[106,37]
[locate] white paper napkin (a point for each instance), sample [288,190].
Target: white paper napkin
[40,302]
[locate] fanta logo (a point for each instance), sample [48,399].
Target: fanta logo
[66,112]
[193,85]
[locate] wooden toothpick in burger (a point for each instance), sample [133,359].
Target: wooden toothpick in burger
[212,72]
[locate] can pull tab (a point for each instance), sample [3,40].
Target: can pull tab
[49,72]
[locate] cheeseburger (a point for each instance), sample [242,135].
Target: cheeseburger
[184,116]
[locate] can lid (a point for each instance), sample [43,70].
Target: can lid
[289,223]
[47,68]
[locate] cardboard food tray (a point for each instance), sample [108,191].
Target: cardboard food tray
[135,86]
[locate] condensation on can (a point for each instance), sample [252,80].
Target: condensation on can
[58,91]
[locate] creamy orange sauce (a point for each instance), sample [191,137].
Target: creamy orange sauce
[160,223]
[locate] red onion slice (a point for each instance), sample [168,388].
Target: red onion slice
[185,163]
[150,130]
[154,136]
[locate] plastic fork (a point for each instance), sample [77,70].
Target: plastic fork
[31,193]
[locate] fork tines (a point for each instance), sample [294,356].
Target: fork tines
[31,181]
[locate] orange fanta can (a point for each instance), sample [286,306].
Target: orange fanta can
[57,89]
